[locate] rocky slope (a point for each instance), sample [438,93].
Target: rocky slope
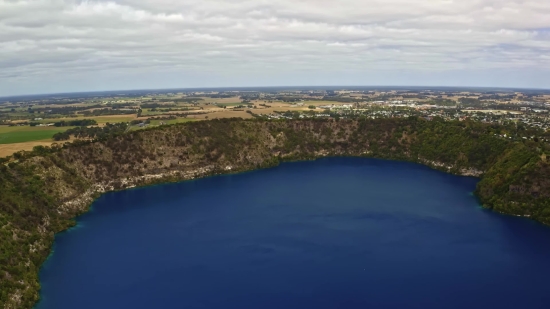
[43,191]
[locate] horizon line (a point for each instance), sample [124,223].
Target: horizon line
[256,87]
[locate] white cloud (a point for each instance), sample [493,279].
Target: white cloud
[65,45]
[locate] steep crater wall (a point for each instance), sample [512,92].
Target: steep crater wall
[43,192]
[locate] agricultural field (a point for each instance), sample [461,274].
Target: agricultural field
[22,134]
[230,104]
[171,121]
[230,113]
[232,100]
[9,149]
[99,119]
[113,118]
[119,109]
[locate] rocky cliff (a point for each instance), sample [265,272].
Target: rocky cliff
[42,192]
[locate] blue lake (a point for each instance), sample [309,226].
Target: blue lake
[332,233]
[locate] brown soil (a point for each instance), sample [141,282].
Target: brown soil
[9,149]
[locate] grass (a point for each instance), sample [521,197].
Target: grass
[99,119]
[12,135]
[154,123]
[22,114]
[113,119]
[9,149]
[230,104]
[171,121]
[148,112]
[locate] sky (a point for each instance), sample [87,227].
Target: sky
[51,46]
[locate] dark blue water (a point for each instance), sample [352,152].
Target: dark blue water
[334,233]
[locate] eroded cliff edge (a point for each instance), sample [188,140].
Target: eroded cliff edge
[42,193]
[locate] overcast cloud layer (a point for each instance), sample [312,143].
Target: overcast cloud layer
[65,45]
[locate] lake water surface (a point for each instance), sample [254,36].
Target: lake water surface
[333,233]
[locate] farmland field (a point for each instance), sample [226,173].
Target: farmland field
[231,104]
[11,135]
[171,121]
[99,119]
[113,118]
[9,149]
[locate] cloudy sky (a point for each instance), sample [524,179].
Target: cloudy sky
[69,45]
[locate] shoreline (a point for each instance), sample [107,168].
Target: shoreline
[70,180]
[157,180]
[85,202]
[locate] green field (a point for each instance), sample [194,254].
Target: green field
[148,112]
[11,135]
[99,119]
[171,121]
[155,123]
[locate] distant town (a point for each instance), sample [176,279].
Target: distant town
[26,122]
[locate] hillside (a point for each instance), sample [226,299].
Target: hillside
[43,191]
